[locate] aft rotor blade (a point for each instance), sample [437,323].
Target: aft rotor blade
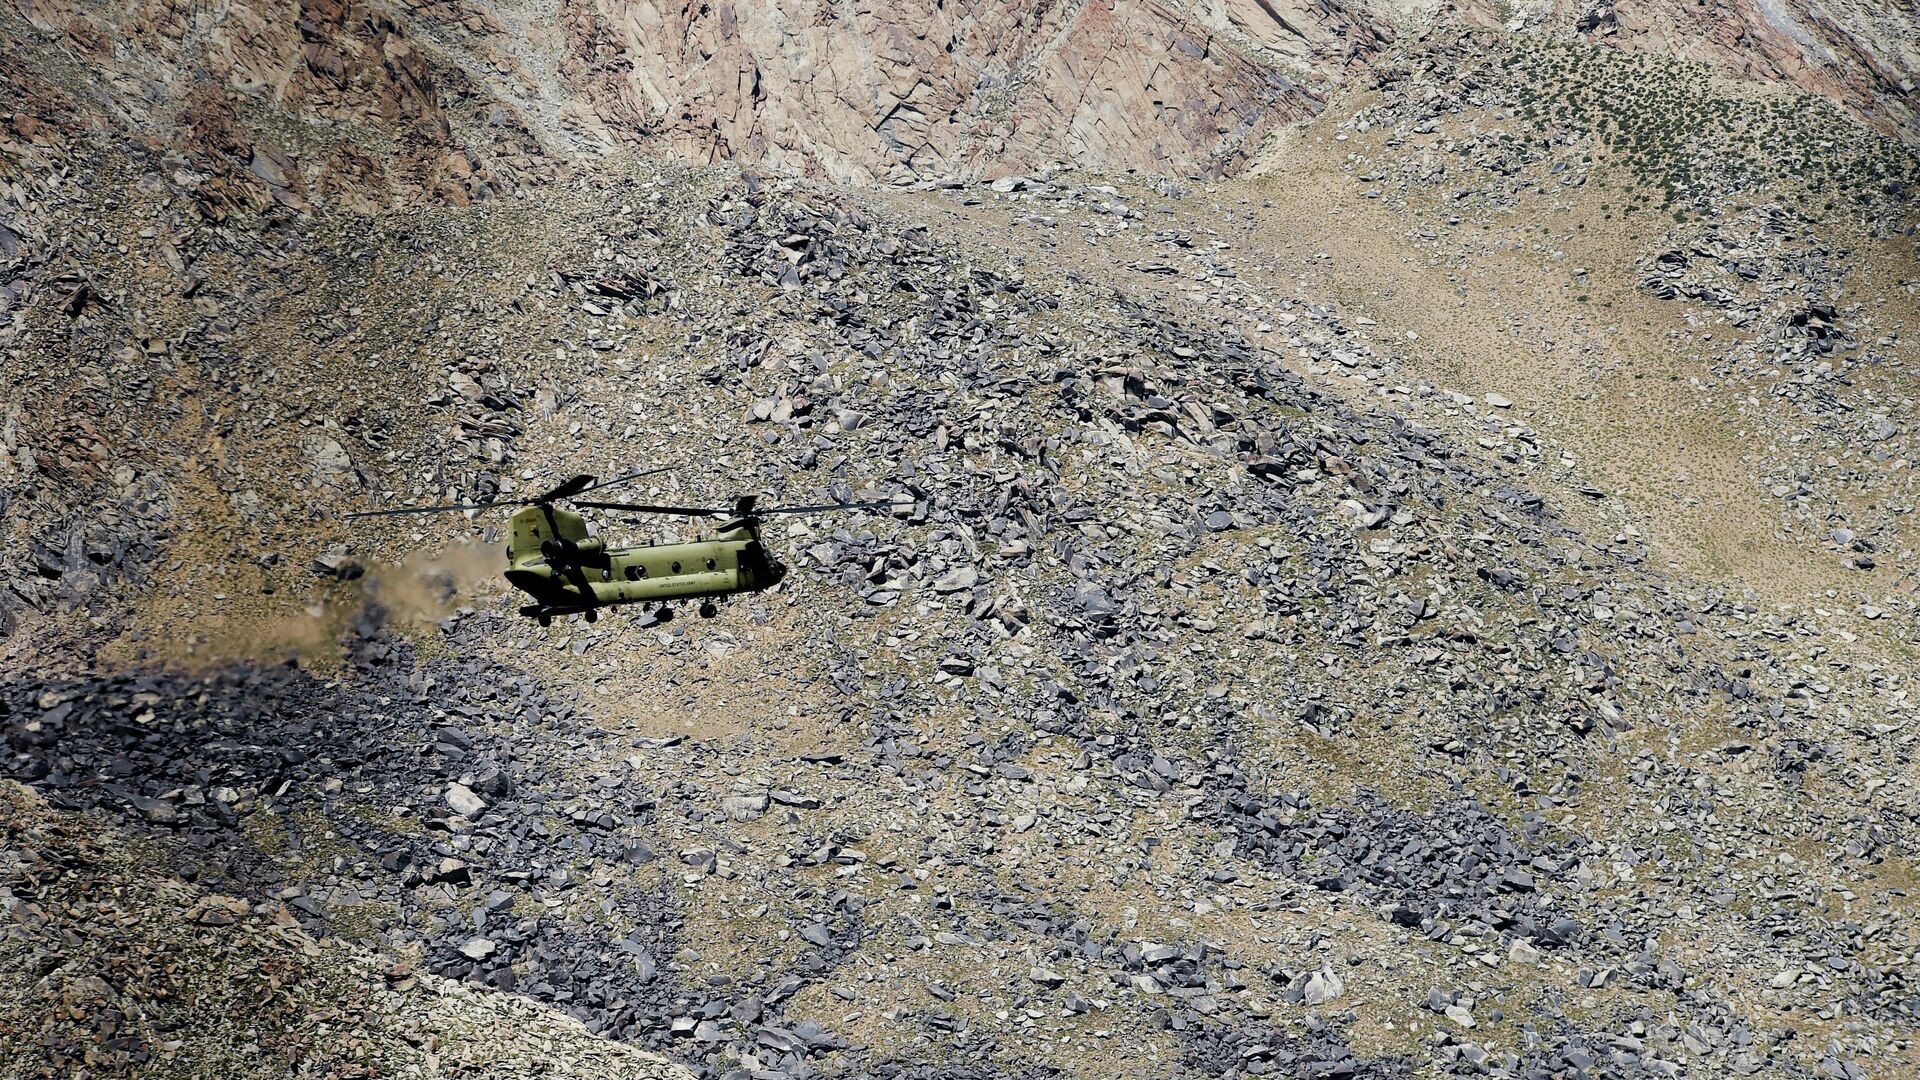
[622,479]
[574,486]
[648,508]
[824,507]
[430,509]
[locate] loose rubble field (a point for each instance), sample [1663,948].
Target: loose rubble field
[1275,662]
[152,976]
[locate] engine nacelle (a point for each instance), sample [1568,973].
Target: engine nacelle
[561,549]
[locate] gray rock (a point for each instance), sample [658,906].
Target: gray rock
[338,565]
[958,579]
[464,802]
[1324,986]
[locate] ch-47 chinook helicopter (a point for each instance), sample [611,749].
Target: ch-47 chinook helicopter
[552,558]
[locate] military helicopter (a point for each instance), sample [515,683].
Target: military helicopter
[552,558]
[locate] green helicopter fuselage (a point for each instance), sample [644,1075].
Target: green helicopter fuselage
[551,558]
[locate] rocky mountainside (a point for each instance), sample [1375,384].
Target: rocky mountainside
[1862,55]
[155,976]
[1410,581]
[459,99]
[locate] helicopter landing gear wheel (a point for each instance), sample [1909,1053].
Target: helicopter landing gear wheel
[592,615]
[708,610]
[546,619]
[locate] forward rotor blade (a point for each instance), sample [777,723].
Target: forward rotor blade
[429,509]
[824,507]
[623,479]
[648,508]
[574,486]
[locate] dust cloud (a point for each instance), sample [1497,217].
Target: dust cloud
[421,589]
[428,586]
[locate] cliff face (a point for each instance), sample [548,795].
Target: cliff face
[457,99]
[275,101]
[452,99]
[925,88]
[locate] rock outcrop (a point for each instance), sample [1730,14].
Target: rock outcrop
[923,89]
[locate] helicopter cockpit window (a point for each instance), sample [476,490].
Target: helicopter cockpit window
[636,572]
